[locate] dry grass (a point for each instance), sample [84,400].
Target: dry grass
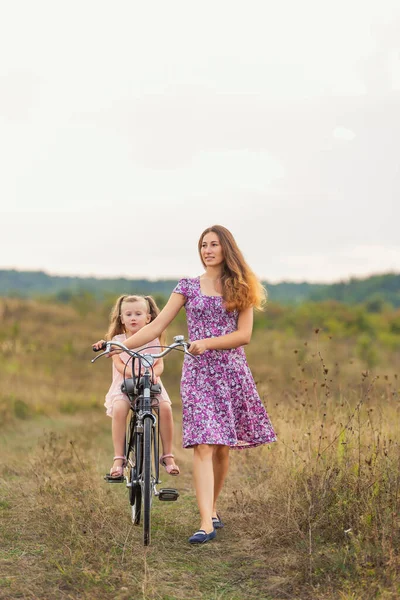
[316,516]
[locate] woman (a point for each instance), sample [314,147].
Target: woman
[221,406]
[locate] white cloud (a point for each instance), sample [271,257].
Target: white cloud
[394,68]
[360,260]
[342,133]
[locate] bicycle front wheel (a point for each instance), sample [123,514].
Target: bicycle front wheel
[133,455]
[146,478]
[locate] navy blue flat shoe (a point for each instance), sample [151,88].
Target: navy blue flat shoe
[218,524]
[201,537]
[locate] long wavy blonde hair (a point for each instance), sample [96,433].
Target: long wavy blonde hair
[116,326]
[240,286]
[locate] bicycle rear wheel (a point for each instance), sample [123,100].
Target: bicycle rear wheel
[146,478]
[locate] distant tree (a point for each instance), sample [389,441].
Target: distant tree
[377,290]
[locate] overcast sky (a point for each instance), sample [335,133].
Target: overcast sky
[128,127]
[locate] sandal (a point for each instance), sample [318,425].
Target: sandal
[171,469]
[118,471]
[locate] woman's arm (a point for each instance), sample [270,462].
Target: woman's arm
[240,337]
[155,328]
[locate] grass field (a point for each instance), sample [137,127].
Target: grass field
[314,516]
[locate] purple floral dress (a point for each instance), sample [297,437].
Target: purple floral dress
[219,397]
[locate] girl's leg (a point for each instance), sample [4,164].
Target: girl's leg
[118,427]
[220,465]
[203,476]
[167,431]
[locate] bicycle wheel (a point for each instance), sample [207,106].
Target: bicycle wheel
[146,478]
[156,456]
[133,455]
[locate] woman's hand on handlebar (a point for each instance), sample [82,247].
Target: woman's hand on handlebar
[198,347]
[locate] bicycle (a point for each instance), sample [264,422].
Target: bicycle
[142,436]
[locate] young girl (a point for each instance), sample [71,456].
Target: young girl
[221,406]
[128,316]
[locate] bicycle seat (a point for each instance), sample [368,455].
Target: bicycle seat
[129,387]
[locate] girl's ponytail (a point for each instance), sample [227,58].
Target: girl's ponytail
[116,326]
[153,308]
[154,311]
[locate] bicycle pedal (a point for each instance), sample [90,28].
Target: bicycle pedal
[110,479]
[168,494]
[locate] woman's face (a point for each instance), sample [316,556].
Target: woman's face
[211,250]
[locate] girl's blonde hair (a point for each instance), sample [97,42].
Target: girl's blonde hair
[240,286]
[116,326]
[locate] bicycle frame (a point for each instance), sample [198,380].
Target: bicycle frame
[142,438]
[143,423]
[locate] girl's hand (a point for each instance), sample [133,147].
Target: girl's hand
[115,352]
[98,345]
[198,347]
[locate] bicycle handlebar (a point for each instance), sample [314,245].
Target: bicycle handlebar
[148,357]
[102,347]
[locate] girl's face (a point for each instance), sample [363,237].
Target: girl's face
[211,250]
[134,315]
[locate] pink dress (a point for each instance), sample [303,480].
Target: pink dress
[114,393]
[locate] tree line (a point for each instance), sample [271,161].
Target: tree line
[376,291]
